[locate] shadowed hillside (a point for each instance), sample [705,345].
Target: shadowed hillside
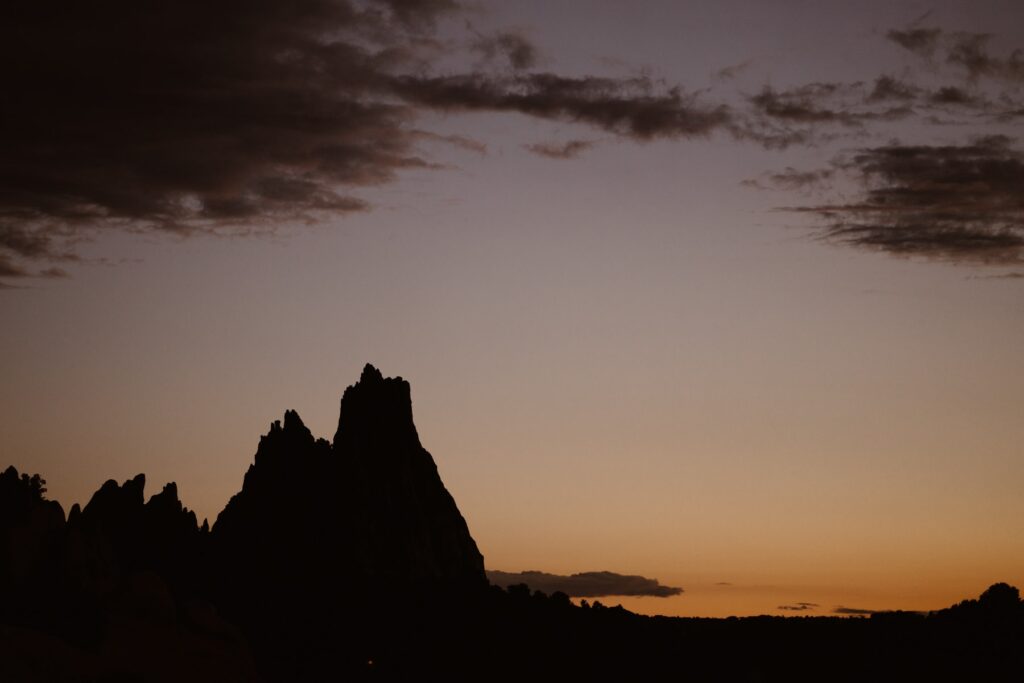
[350,560]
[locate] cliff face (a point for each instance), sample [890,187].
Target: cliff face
[368,507]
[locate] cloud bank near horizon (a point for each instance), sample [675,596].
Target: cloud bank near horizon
[585,584]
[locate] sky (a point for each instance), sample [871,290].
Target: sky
[724,294]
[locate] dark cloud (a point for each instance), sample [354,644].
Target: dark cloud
[951,95]
[197,118]
[417,13]
[10,269]
[953,203]
[236,117]
[52,272]
[192,117]
[631,107]
[920,41]
[1008,115]
[854,611]
[801,105]
[513,47]
[566,150]
[887,88]
[970,51]
[786,117]
[585,584]
[798,607]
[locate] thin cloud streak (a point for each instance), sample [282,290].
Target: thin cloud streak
[798,607]
[585,584]
[567,150]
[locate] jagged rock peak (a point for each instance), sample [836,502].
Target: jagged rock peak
[371,374]
[166,499]
[376,409]
[281,440]
[111,496]
[293,421]
[293,426]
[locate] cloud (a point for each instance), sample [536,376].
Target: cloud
[781,118]
[585,584]
[969,51]
[921,41]
[8,269]
[19,245]
[802,105]
[198,117]
[732,71]
[1008,115]
[957,203]
[887,88]
[952,95]
[798,607]
[631,107]
[854,611]
[237,117]
[418,13]
[567,150]
[513,47]
[1002,276]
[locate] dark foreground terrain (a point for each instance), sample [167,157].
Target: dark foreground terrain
[349,560]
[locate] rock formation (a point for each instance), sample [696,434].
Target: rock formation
[349,560]
[321,534]
[369,507]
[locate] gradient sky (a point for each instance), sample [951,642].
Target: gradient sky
[757,354]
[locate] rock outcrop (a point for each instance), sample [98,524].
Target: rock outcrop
[322,543]
[370,507]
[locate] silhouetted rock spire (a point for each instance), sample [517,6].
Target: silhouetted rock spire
[370,506]
[376,413]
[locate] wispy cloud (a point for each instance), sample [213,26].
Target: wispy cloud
[966,50]
[798,607]
[921,41]
[791,179]
[1002,276]
[563,150]
[957,203]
